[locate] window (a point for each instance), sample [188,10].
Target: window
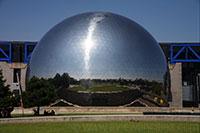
[16,74]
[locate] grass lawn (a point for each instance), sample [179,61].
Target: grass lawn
[104,88]
[102,127]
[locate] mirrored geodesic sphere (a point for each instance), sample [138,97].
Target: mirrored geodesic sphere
[101,52]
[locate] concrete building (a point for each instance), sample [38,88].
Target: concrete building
[13,62]
[183,60]
[184,64]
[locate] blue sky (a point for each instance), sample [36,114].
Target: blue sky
[166,20]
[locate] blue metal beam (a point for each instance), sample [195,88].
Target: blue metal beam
[7,56]
[179,52]
[177,49]
[194,52]
[27,54]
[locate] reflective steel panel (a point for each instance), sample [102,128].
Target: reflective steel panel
[101,52]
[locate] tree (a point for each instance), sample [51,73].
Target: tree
[61,81]
[6,98]
[39,92]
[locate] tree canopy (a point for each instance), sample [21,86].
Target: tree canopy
[6,98]
[39,92]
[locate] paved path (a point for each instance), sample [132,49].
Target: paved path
[184,118]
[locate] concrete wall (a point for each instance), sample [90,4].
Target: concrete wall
[176,84]
[105,114]
[103,109]
[8,68]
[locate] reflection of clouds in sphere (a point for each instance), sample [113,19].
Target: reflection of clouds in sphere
[98,45]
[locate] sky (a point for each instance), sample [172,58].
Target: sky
[166,20]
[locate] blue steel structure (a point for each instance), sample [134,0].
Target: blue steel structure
[179,53]
[7,55]
[176,50]
[6,51]
[27,53]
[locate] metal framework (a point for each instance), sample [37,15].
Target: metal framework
[182,53]
[27,54]
[178,52]
[6,56]
[6,51]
